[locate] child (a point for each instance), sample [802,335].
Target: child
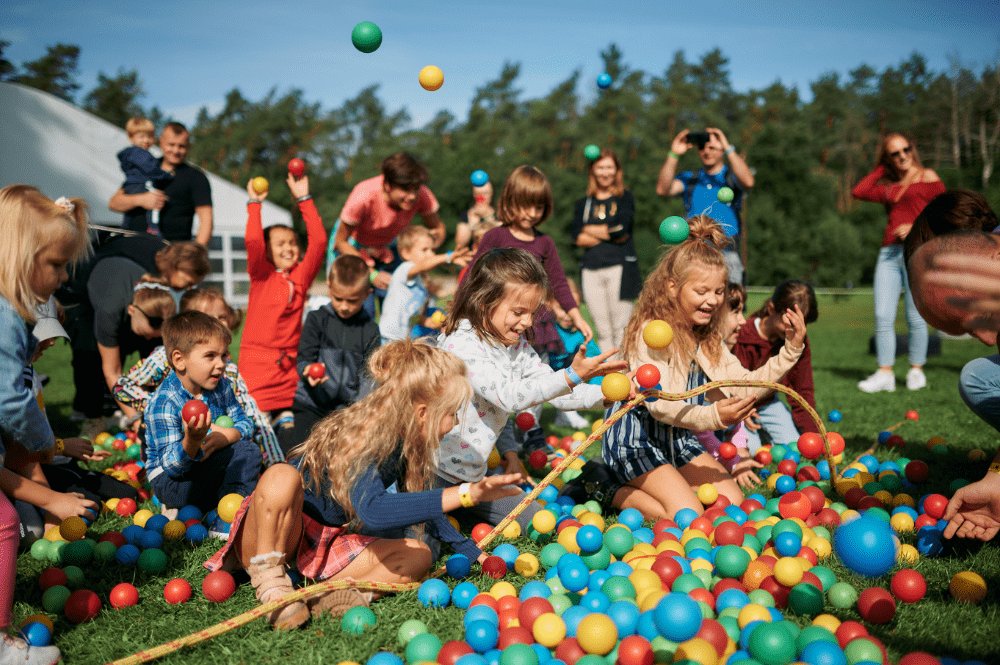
[407,297]
[133,389]
[370,464]
[653,450]
[197,462]
[492,314]
[278,287]
[339,335]
[49,236]
[759,339]
[142,170]
[571,339]
[478,219]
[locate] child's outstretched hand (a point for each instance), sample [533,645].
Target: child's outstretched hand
[744,474]
[81,449]
[252,193]
[513,466]
[197,428]
[461,256]
[734,409]
[299,187]
[588,368]
[70,504]
[795,326]
[496,487]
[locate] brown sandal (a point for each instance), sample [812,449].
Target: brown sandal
[336,603]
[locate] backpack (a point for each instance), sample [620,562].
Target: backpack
[729,181]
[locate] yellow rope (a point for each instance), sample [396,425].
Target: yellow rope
[172,646]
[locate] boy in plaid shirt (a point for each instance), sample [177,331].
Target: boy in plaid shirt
[199,461]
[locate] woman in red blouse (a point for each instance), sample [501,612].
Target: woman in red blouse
[904,186]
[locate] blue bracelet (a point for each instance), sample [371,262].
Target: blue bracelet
[573,376]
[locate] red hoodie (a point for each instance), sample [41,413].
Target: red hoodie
[753,351]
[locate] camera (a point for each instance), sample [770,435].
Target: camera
[698,139]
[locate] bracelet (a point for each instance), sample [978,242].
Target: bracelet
[995,467]
[371,276]
[448,255]
[730,150]
[671,153]
[573,376]
[465,495]
[60,447]
[305,198]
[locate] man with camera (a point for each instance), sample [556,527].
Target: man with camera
[700,189]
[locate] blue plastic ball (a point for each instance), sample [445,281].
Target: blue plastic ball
[37,634]
[625,614]
[434,593]
[631,518]
[481,635]
[463,593]
[866,546]
[684,517]
[156,523]
[595,601]
[678,617]
[549,494]
[589,538]
[784,485]
[572,618]
[458,566]
[132,533]
[834,416]
[479,178]
[471,659]
[574,577]
[196,533]
[508,553]
[643,535]
[534,589]
[384,658]
[604,80]
[823,652]
[788,543]
[883,436]
[481,613]
[127,554]
[189,513]
[150,540]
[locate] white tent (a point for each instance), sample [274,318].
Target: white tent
[65,151]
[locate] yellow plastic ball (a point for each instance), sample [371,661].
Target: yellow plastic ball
[752,612]
[526,565]
[696,650]
[260,184]
[645,579]
[502,589]
[616,387]
[821,546]
[454,523]
[101,439]
[670,546]
[579,436]
[903,500]
[111,503]
[567,538]
[901,523]
[549,630]
[438,317]
[908,554]
[788,571]
[53,535]
[597,424]
[493,461]
[649,599]
[512,531]
[141,516]
[828,621]
[592,519]
[431,78]
[657,334]
[707,494]
[174,530]
[228,505]
[543,521]
[884,496]
[597,633]
[968,587]
[37,618]
[73,528]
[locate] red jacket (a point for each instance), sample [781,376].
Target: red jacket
[753,351]
[901,209]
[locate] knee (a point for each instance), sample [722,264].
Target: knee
[281,484]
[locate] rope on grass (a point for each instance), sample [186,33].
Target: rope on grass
[326,586]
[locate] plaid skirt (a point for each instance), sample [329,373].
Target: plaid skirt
[323,550]
[639,443]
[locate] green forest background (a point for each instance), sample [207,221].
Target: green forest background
[800,218]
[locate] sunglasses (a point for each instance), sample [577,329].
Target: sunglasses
[155,322]
[899,153]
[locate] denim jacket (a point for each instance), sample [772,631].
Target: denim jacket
[21,419]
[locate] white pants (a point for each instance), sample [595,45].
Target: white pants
[601,292]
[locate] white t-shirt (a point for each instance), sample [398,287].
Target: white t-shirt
[405,299]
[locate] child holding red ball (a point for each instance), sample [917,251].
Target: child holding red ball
[189,459]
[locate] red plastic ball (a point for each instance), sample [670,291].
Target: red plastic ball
[633,650]
[912,415]
[51,577]
[816,497]
[508,618]
[908,585]
[480,531]
[853,497]
[177,591]
[919,658]
[296,167]
[569,651]
[876,605]
[922,521]
[778,591]
[514,635]
[935,504]
[787,467]
[795,504]
[538,459]
[552,440]
[452,650]
[702,523]
[808,473]
[848,631]
[565,524]
[917,471]
[895,441]
[509,603]
[647,376]
[763,456]
[123,595]
[315,370]
[811,445]
[218,586]
[836,442]
[485,599]
[702,596]
[727,450]
[667,568]
[524,421]
[82,605]
[193,409]
[729,533]
[113,537]
[531,609]
[715,634]
[494,567]
[126,507]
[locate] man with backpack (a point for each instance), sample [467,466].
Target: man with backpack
[721,167]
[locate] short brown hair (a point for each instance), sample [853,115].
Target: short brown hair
[948,212]
[186,330]
[348,270]
[186,256]
[176,128]
[408,237]
[526,186]
[153,299]
[139,126]
[402,170]
[209,294]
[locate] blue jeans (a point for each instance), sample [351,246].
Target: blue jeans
[776,420]
[233,469]
[979,386]
[890,281]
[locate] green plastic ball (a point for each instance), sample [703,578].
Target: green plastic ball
[560,603]
[591,151]
[134,451]
[366,37]
[812,634]
[725,195]
[761,597]
[55,551]
[78,553]
[619,541]
[153,561]
[599,560]
[842,595]
[224,421]
[686,583]
[593,507]
[423,648]
[550,554]
[104,552]
[40,550]
[770,644]
[805,600]
[410,629]
[522,654]
[55,598]
[731,561]
[357,620]
[618,588]
[663,649]
[674,230]
[786,526]
[861,650]
[74,576]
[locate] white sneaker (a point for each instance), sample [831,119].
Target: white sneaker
[571,419]
[916,379]
[878,382]
[16,650]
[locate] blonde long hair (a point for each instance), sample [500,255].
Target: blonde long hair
[344,444]
[658,301]
[29,222]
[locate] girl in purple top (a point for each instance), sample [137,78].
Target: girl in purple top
[526,202]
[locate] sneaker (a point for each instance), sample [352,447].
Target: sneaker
[16,650]
[878,382]
[534,439]
[572,419]
[916,379]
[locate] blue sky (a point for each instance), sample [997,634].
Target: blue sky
[189,54]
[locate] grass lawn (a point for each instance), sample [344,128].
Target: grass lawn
[839,341]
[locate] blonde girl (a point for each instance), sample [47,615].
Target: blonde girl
[309,513]
[653,451]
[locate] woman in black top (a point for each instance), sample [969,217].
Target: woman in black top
[602,226]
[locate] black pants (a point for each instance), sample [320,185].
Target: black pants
[71,477]
[290,437]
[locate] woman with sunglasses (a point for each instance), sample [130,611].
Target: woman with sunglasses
[904,186]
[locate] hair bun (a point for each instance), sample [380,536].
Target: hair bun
[706,229]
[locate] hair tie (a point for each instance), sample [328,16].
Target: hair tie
[65,204]
[149,285]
